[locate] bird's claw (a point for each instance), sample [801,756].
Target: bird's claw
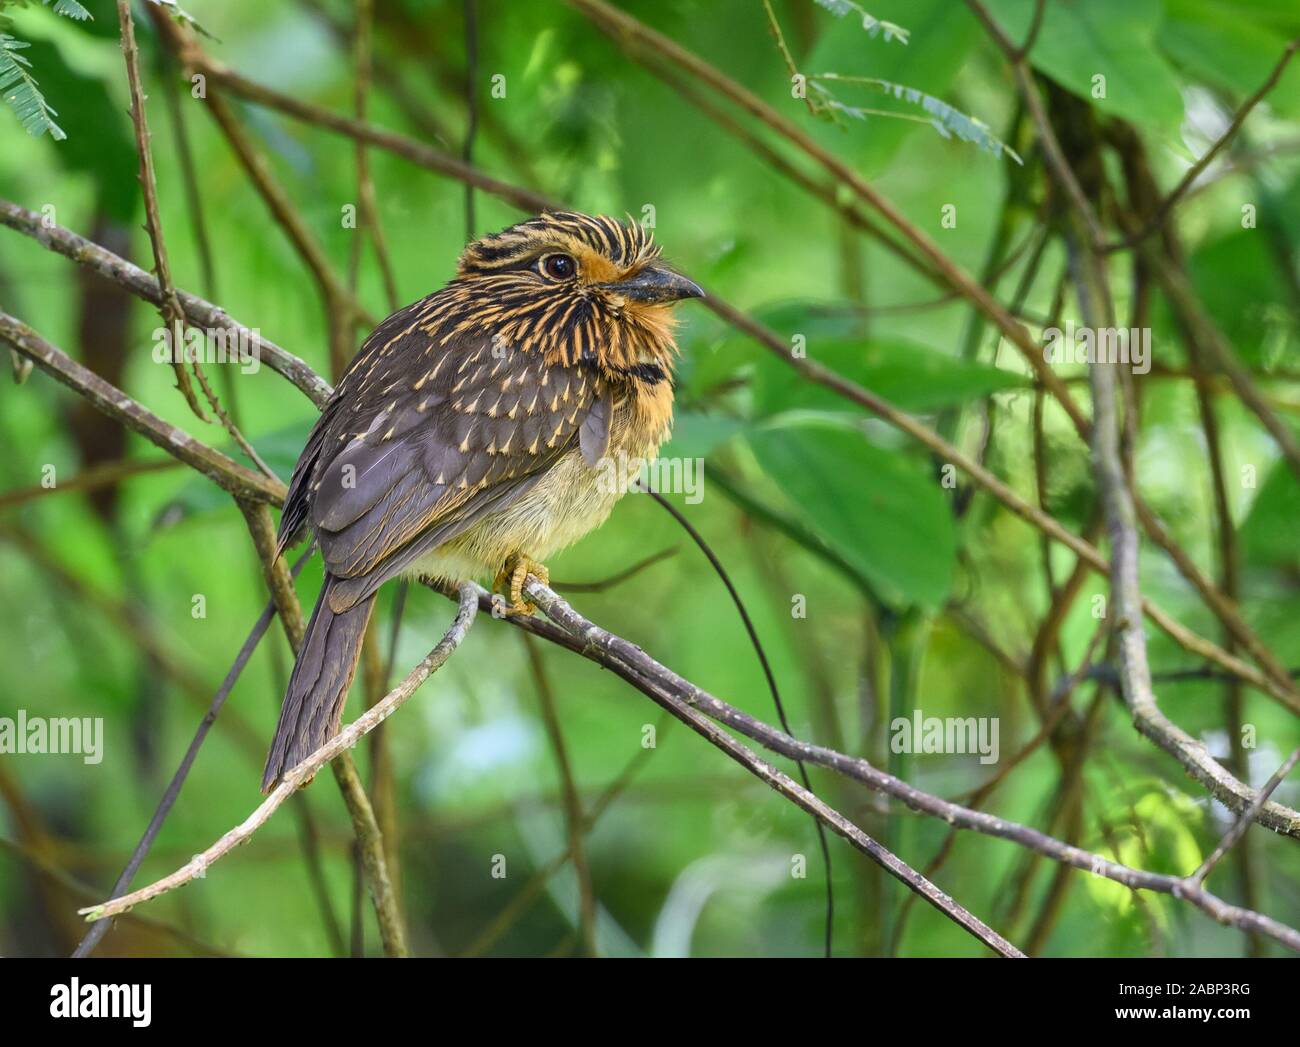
[510,581]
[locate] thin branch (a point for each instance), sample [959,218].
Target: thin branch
[574,819]
[369,838]
[1169,202]
[774,27]
[172,316]
[615,579]
[104,474]
[589,635]
[1246,818]
[170,795]
[658,681]
[775,692]
[200,313]
[227,474]
[303,772]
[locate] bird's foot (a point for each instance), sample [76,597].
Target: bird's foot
[510,582]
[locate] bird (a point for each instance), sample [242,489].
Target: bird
[477,432]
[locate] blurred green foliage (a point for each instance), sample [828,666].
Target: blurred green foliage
[694,855]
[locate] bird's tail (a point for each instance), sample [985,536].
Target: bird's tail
[318,687]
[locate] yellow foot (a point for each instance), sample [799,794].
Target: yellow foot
[510,581]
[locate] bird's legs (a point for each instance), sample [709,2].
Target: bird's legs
[510,581]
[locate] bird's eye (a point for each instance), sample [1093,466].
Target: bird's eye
[559,266]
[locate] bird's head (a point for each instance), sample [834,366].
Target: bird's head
[581,289]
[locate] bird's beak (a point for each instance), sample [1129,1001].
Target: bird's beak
[656,283]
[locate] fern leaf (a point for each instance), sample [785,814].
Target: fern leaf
[873,25]
[20,92]
[71,9]
[946,120]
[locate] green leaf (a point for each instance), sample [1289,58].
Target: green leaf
[71,9]
[1081,40]
[878,509]
[21,93]
[938,45]
[1237,279]
[943,117]
[1215,44]
[870,23]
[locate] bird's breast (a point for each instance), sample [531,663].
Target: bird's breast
[571,499]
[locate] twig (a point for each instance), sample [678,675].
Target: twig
[657,680]
[105,474]
[615,579]
[1246,818]
[574,819]
[303,772]
[1156,220]
[774,27]
[227,474]
[589,634]
[60,878]
[775,691]
[134,279]
[172,316]
[98,929]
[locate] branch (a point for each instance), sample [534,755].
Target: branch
[1167,204]
[1126,596]
[659,682]
[591,636]
[172,316]
[198,866]
[141,284]
[172,793]
[229,475]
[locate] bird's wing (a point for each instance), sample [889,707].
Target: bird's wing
[425,436]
